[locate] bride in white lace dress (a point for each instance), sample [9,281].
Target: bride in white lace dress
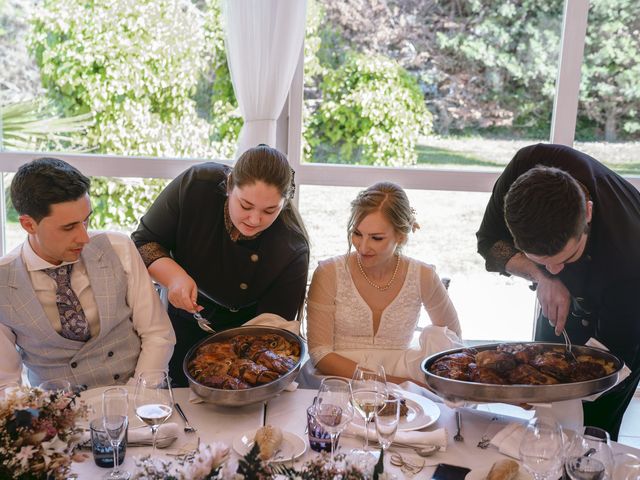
[363,307]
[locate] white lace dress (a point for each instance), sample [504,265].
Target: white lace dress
[340,321]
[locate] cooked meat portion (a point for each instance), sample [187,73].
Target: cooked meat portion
[554,363]
[454,366]
[496,360]
[588,370]
[521,364]
[486,375]
[387,410]
[244,361]
[522,353]
[527,375]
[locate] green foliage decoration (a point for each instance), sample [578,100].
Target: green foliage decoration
[372,113]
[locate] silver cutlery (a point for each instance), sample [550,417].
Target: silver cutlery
[187,426]
[485,441]
[567,345]
[458,436]
[203,323]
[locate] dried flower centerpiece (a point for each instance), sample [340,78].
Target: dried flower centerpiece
[38,433]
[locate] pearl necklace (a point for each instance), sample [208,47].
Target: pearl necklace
[375,285]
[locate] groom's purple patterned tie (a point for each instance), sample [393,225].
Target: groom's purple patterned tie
[72,318]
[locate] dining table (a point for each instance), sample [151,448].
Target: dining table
[287,410]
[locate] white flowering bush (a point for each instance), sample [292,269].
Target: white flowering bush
[134,64]
[372,113]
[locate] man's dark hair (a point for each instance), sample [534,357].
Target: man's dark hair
[43,182]
[544,208]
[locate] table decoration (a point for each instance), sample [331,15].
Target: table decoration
[211,462]
[38,433]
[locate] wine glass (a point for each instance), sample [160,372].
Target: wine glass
[589,455]
[115,419]
[541,449]
[387,418]
[626,467]
[58,385]
[153,400]
[368,392]
[333,409]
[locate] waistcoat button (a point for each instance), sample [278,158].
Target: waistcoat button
[74,364]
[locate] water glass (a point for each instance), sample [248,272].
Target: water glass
[626,466]
[541,449]
[387,418]
[58,385]
[101,445]
[319,438]
[589,455]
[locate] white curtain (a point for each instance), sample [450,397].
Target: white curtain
[263,40]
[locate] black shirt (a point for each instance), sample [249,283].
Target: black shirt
[607,276]
[265,274]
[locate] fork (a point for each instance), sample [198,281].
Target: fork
[458,436]
[187,426]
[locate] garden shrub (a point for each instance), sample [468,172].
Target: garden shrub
[372,113]
[135,66]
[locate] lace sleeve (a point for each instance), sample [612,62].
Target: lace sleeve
[152,251]
[498,256]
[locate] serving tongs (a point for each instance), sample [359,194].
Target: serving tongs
[567,346]
[203,323]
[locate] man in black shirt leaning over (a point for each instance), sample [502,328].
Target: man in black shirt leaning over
[563,220]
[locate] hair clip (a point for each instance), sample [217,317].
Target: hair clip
[292,190]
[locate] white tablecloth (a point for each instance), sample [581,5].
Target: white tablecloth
[288,411]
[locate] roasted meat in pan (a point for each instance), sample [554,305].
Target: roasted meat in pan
[521,364]
[244,361]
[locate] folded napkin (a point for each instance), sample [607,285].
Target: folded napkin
[437,437]
[167,434]
[624,373]
[508,439]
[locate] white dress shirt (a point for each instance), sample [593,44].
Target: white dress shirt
[150,320]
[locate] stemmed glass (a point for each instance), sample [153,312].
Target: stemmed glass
[387,418]
[154,400]
[589,456]
[333,409]
[541,449]
[368,392]
[115,419]
[626,467]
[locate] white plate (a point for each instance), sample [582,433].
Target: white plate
[422,412]
[481,474]
[93,399]
[292,446]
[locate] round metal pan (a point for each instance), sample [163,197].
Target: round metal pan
[455,390]
[236,398]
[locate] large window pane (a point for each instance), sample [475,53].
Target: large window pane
[427,84]
[127,78]
[490,306]
[608,125]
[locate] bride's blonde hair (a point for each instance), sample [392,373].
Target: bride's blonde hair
[390,200]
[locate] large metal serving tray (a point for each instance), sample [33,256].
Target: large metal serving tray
[456,390]
[236,398]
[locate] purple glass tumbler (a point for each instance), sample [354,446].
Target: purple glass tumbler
[319,439]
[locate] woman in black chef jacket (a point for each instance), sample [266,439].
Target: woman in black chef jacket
[228,243]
